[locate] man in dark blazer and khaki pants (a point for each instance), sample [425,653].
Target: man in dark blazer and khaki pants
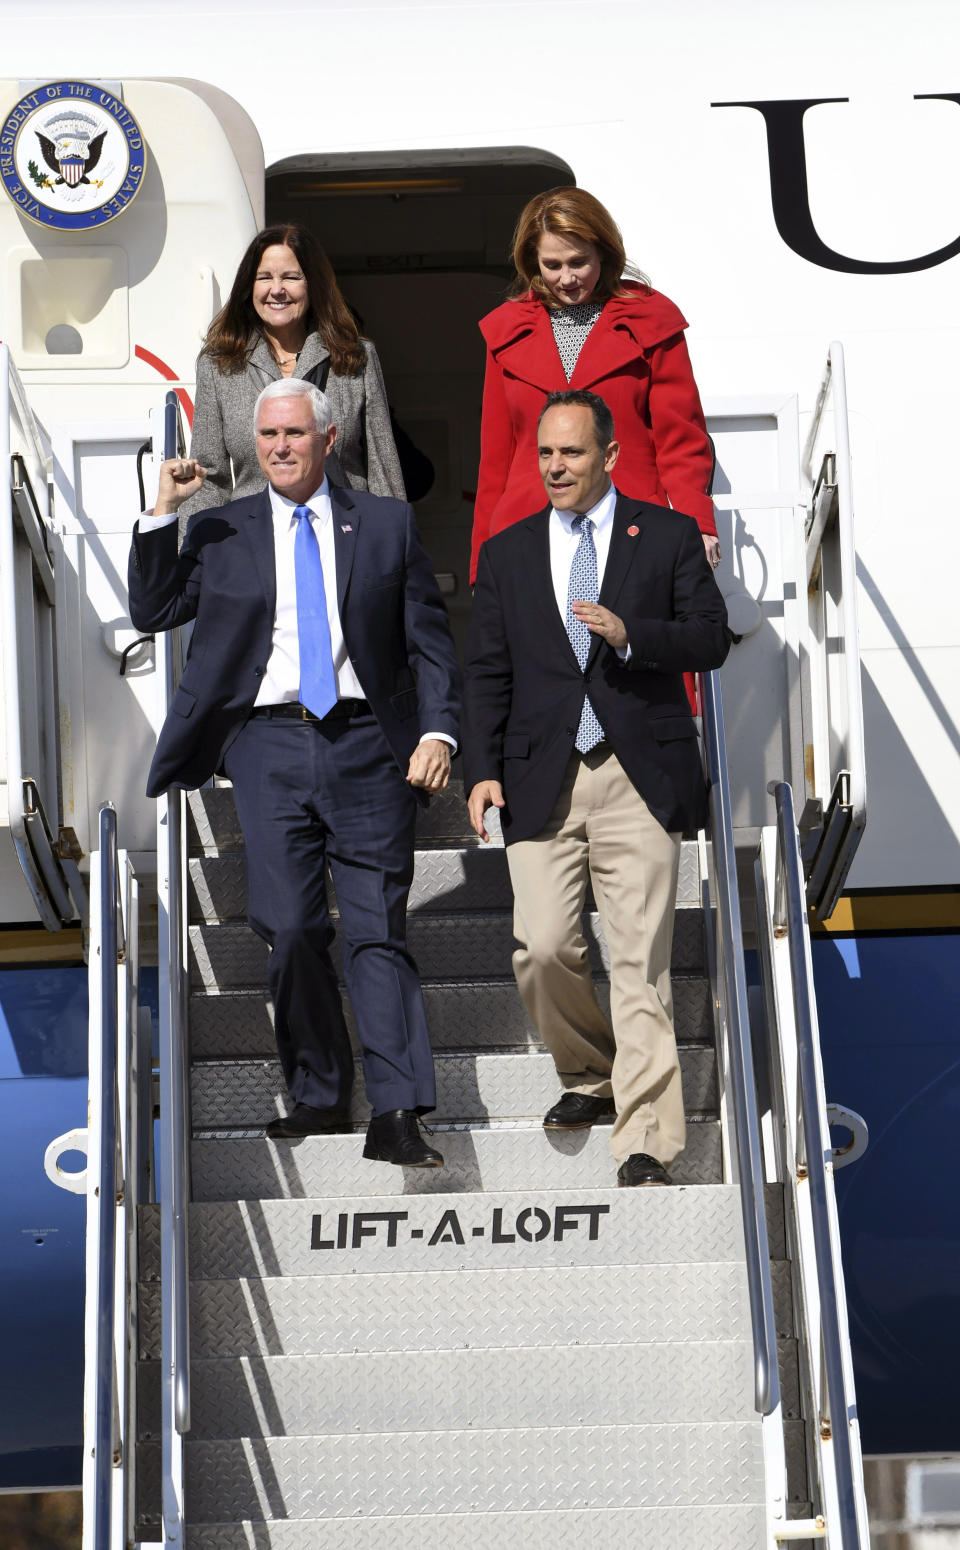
[322,679]
[578,728]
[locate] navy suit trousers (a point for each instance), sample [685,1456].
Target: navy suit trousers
[309,796]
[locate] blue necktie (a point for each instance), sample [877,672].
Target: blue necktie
[318,682]
[583,588]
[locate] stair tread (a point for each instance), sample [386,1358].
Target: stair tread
[469,1014]
[502,1155]
[678,1383]
[684,1224]
[475,945]
[431,1310]
[227,1093]
[473,1470]
[446,879]
[599,1528]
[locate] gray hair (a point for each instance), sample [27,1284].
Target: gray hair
[296,387]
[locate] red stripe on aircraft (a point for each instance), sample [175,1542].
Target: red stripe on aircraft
[167,371]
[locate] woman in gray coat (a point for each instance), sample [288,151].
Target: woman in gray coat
[285,317]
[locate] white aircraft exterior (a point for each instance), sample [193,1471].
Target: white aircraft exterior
[786,174]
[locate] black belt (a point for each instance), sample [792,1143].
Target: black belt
[342,711]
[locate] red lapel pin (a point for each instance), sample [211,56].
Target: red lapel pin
[632,531]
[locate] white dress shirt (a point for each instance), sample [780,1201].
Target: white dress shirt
[281,680]
[564,543]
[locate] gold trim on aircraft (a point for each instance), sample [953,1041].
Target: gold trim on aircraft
[39,946]
[937,910]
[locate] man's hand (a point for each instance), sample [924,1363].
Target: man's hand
[602,622]
[485,794]
[430,764]
[712,545]
[180,477]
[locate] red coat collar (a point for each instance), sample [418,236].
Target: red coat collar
[520,338]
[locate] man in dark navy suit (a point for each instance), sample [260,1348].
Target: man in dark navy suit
[322,680]
[577,726]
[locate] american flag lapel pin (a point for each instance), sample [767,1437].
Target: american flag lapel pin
[345,527]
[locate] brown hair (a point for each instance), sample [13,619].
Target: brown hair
[576,215]
[228,337]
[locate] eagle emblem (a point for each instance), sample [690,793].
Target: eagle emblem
[72,155]
[74,150]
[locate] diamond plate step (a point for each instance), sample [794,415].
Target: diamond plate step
[507,1230]
[442,1391]
[593,1468]
[227,1094]
[479,1015]
[443,881]
[226,1234]
[432,1310]
[456,947]
[475,1159]
[596,1528]
[212,821]
[657,1528]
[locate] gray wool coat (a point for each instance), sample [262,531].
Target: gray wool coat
[364,457]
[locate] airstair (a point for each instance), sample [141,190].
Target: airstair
[376,1352]
[289,1346]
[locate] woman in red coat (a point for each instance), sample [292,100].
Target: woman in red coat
[576,323]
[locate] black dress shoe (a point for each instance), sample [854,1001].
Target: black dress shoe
[303,1120]
[641,1168]
[395,1138]
[576,1111]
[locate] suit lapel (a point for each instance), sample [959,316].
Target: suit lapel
[624,548]
[346,527]
[258,526]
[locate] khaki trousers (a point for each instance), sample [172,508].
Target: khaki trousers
[602,827]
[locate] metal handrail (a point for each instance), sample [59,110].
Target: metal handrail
[834,385]
[45,880]
[746,1127]
[174,1093]
[790,915]
[18,394]
[107,1177]
[172,1053]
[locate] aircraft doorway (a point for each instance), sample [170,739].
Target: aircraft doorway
[420,242]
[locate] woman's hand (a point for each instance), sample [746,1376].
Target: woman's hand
[712,545]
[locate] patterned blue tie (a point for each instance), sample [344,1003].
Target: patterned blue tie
[318,682]
[583,588]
